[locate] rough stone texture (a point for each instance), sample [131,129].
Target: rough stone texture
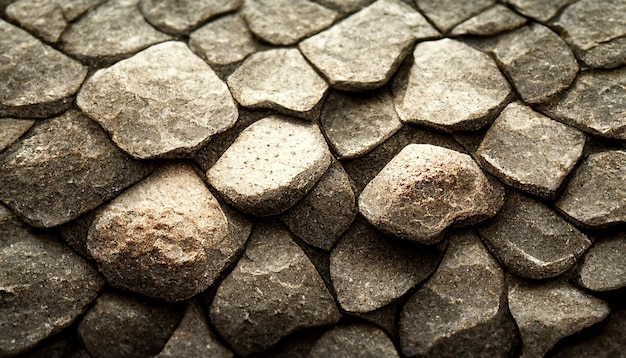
[110,32]
[461,310]
[166,237]
[492,21]
[363,51]
[530,151]
[65,167]
[531,240]
[325,212]
[356,340]
[538,62]
[595,29]
[548,311]
[12,129]
[37,80]
[345,6]
[603,267]
[450,86]
[271,165]
[595,196]
[426,188]
[177,17]
[285,22]
[539,10]
[120,326]
[595,103]
[445,14]
[370,270]
[63,345]
[43,284]
[273,291]
[355,125]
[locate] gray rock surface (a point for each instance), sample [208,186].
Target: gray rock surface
[445,14]
[603,267]
[548,311]
[594,196]
[356,340]
[538,62]
[273,291]
[38,81]
[364,50]
[530,151]
[539,10]
[491,21]
[178,17]
[370,270]
[12,129]
[65,167]
[271,165]
[44,286]
[426,188]
[531,240]
[345,6]
[450,86]
[461,310]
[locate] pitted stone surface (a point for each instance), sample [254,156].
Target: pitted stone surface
[461,310]
[164,101]
[539,10]
[176,16]
[12,129]
[363,51]
[271,165]
[273,291]
[491,21]
[530,151]
[531,240]
[356,340]
[450,86]
[445,14]
[426,188]
[603,267]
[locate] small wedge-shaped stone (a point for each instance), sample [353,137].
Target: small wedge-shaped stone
[180,16]
[446,14]
[603,267]
[37,80]
[65,167]
[530,151]
[273,291]
[12,129]
[426,188]
[450,86]
[355,340]
[363,51]
[166,237]
[595,196]
[271,165]
[537,61]
[531,240]
[461,310]
[539,10]
[164,101]
[548,311]
[492,21]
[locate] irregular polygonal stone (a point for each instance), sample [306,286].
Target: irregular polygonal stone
[177,17]
[461,310]
[363,51]
[539,10]
[345,6]
[12,129]
[548,311]
[271,165]
[37,80]
[273,291]
[530,151]
[354,125]
[595,196]
[369,270]
[531,240]
[44,286]
[120,326]
[356,340]
[537,61]
[65,167]
[603,267]
[164,101]
[426,188]
[450,86]
[445,14]
[492,21]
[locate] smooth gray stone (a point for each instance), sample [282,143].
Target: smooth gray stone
[180,16]
[491,21]
[355,340]
[539,10]
[12,129]
[446,14]
[603,267]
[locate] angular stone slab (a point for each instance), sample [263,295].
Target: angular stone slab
[529,151]
[461,310]
[65,167]
[446,14]
[538,62]
[603,268]
[595,196]
[539,10]
[491,21]
[450,86]
[162,102]
[531,240]
[548,311]
[38,81]
[271,165]
[376,38]
[12,129]
[426,188]
[273,291]
[178,17]
[355,340]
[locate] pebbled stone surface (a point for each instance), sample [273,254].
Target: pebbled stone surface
[603,267]
[491,21]
[180,16]
[356,340]
[12,129]
[445,14]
